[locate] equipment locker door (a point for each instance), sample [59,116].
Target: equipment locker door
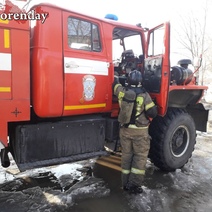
[86,67]
[157,65]
[5,64]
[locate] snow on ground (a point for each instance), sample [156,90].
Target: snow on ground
[186,190]
[24,191]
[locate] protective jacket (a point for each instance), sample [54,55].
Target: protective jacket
[135,104]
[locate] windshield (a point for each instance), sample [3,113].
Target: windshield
[127,50]
[125,39]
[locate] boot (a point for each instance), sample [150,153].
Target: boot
[132,188]
[136,190]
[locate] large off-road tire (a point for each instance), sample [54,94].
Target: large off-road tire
[173,139]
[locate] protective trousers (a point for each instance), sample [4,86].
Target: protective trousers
[135,145]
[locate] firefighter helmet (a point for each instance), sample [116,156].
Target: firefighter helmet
[135,78]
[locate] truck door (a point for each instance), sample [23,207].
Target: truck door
[87,85]
[157,65]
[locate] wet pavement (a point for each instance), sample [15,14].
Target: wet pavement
[94,185]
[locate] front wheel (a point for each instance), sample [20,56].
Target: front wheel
[173,139]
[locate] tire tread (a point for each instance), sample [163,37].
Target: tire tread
[157,131]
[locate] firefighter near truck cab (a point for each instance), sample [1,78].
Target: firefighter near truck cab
[56,98]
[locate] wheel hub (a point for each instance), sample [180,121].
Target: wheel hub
[180,141]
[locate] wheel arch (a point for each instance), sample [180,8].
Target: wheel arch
[188,99]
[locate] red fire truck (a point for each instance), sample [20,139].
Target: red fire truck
[56,98]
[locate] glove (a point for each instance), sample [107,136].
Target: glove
[116,80]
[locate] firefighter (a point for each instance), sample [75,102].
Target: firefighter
[134,137]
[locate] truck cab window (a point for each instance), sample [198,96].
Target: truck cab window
[156,44]
[154,61]
[83,35]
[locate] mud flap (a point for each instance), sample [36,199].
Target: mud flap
[45,144]
[200,115]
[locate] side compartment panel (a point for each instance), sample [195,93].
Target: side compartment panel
[14,75]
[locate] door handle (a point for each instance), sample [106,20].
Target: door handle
[71,64]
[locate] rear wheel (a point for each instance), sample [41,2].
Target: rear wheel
[173,139]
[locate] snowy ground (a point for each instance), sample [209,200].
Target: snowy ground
[75,187]
[186,190]
[48,189]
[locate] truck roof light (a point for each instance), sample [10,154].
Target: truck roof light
[111,17]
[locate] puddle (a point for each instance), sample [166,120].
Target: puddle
[43,180]
[46,180]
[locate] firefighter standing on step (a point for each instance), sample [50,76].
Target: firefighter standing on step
[134,137]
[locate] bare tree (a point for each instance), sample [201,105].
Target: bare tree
[79,31]
[193,36]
